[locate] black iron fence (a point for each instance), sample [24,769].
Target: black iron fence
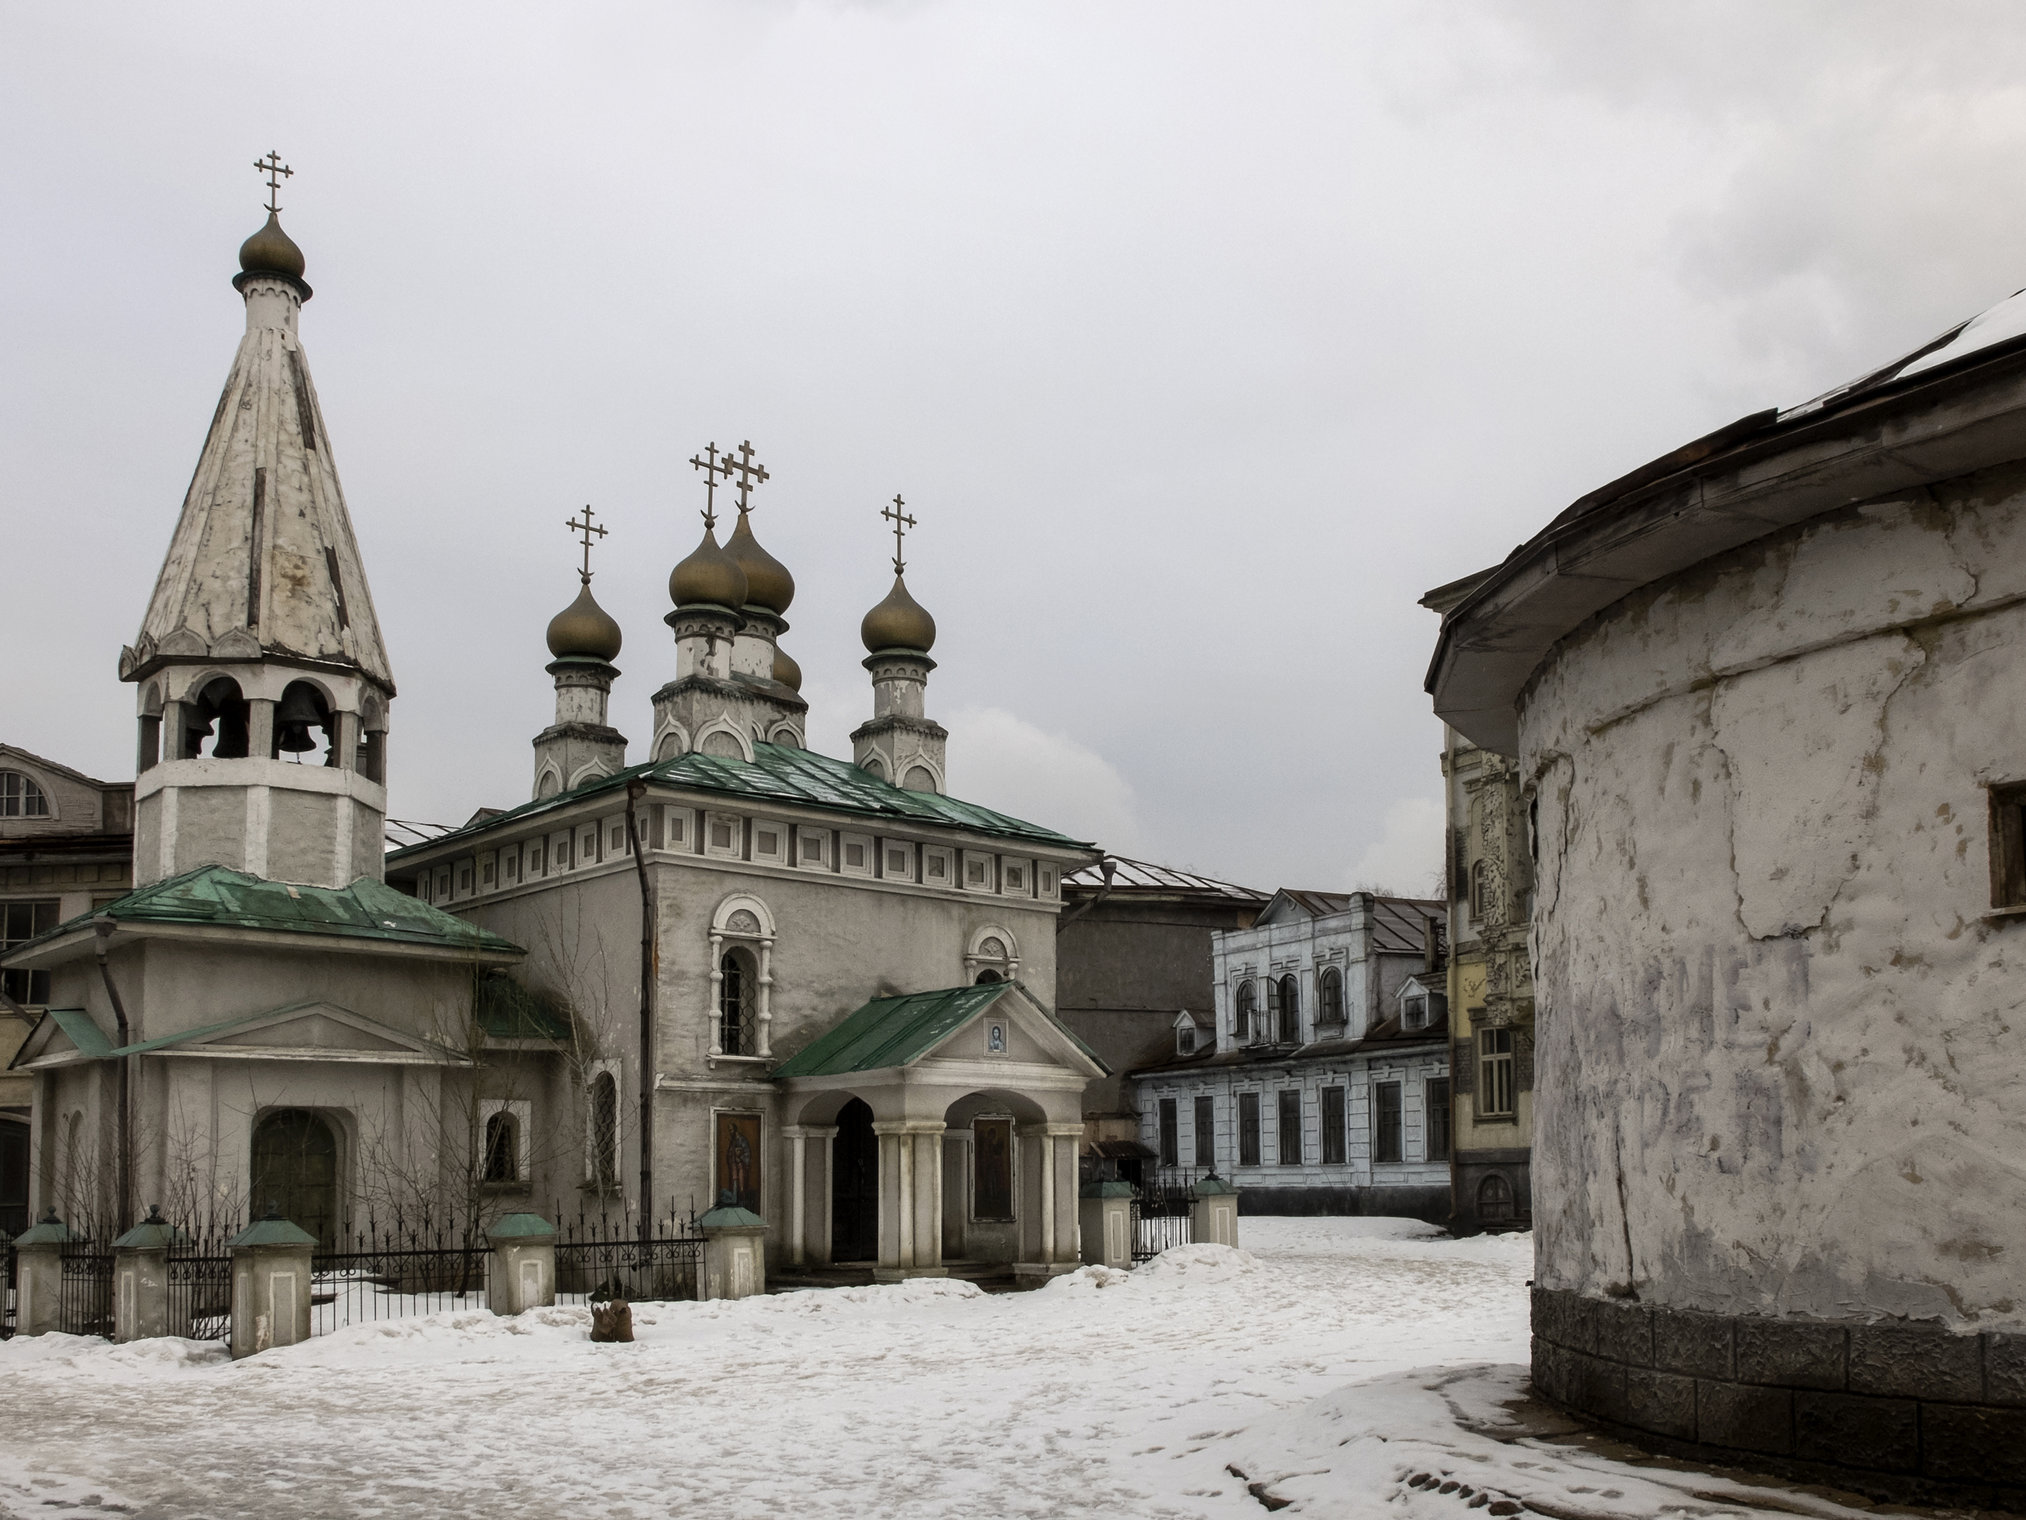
[200,1285]
[1160,1215]
[600,1258]
[7,1310]
[393,1271]
[84,1295]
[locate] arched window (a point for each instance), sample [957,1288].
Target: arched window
[1290,1011]
[920,779]
[502,1148]
[1480,889]
[1329,989]
[738,990]
[1242,1010]
[605,1130]
[20,797]
[295,1170]
[1494,1199]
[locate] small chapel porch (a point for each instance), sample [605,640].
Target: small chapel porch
[936,1130]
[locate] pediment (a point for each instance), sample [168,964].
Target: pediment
[55,1040]
[305,1031]
[1028,1036]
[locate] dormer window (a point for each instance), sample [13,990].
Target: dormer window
[20,797]
[1185,1041]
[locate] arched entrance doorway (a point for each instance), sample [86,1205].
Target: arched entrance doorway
[854,1186]
[295,1171]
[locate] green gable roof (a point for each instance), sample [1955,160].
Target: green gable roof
[892,1031]
[779,774]
[222,898]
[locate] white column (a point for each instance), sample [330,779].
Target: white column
[906,1199]
[716,985]
[1047,1180]
[926,1202]
[798,1187]
[766,996]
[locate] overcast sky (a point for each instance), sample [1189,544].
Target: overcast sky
[1201,339]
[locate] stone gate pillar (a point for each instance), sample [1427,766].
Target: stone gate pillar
[270,1286]
[141,1278]
[1106,1221]
[734,1252]
[38,1274]
[1213,1212]
[521,1273]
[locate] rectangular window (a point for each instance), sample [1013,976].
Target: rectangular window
[1047,881]
[1438,1118]
[812,849]
[537,853]
[992,1168]
[1333,1126]
[938,867]
[721,834]
[1171,1134]
[23,921]
[488,873]
[854,855]
[766,842]
[618,842]
[974,871]
[1016,879]
[464,879]
[1494,1073]
[1248,1129]
[678,826]
[587,850]
[2008,846]
[896,863]
[1386,1125]
[1206,1133]
[1290,1127]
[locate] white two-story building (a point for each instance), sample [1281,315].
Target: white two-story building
[1323,1087]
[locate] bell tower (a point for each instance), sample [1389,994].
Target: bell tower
[585,641]
[262,681]
[901,744]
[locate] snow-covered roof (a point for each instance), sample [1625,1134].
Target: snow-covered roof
[1129,875]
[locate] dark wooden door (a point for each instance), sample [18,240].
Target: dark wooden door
[295,1171]
[854,1187]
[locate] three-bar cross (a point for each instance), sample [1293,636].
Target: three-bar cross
[712,468]
[749,474]
[276,171]
[588,530]
[901,523]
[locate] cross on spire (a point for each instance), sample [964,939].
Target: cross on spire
[276,171]
[901,523]
[712,468]
[588,530]
[749,474]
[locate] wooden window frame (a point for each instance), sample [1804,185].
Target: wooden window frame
[2008,845]
[1336,1126]
[1389,1143]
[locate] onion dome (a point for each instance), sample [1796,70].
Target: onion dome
[768,583]
[271,251]
[584,630]
[708,575]
[786,671]
[899,622]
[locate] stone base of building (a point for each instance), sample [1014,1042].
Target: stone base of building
[1427,1203]
[1034,1273]
[1897,1409]
[902,1274]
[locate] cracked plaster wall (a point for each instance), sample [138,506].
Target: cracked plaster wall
[1779,1039]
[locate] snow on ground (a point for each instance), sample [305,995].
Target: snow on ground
[1110,1394]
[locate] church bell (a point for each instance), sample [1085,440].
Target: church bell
[298,713]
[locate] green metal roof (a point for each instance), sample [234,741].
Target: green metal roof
[779,774]
[892,1031]
[508,1010]
[89,1039]
[272,1232]
[222,898]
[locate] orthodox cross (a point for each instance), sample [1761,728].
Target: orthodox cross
[276,171]
[712,468]
[588,531]
[749,474]
[901,523]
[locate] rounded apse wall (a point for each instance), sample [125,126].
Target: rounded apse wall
[1780,934]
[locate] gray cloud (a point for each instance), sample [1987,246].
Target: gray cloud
[1202,339]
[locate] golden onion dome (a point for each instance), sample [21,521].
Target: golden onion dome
[768,583]
[899,622]
[786,671]
[271,251]
[584,629]
[708,575]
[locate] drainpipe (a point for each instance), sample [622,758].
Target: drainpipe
[103,927]
[649,960]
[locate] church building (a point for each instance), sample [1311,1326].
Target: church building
[740,974]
